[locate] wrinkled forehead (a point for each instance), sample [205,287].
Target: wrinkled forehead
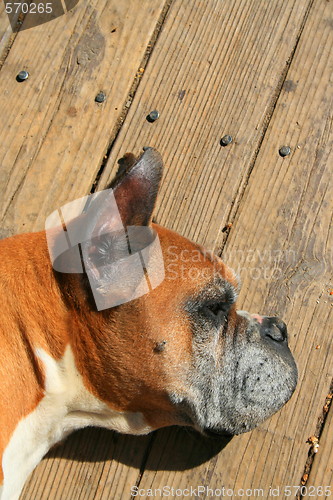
[193,264]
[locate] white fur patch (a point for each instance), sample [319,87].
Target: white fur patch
[66,406]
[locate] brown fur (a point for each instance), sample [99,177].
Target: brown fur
[108,346]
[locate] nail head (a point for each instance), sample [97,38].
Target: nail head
[101,97]
[153,116]
[22,76]
[284,151]
[226,139]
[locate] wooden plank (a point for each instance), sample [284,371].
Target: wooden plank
[52,140]
[321,474]
[288,41]
[216,70]
[288,206]
[54,135]
[89,465]
[7,36]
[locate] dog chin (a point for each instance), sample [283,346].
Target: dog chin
[246,413]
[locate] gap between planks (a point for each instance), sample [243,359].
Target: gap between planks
[323,418]
[132,92]
[8,37]
[239,196]
[322,421]
[270,113]
[235,204]
[237,200]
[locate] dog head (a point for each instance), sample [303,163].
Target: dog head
[179,352]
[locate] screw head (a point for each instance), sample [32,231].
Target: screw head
[101,97]
[153,116]
[22,76]
[226,139]
[284,151]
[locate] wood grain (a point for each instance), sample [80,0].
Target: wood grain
[286,207]
[53,138]
[321,474]
[217,69]
[89,465]
[54,135]
[7,36]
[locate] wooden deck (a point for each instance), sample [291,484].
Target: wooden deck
[257,70]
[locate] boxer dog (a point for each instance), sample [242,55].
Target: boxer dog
[75,354]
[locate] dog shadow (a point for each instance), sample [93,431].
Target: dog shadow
[169,449]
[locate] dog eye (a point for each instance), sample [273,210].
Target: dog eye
[217,311]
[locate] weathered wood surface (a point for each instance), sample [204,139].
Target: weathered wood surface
[216,68]
[7,36]
[92,463]
[287,205]
[322,469]
[54,135]
[53,138]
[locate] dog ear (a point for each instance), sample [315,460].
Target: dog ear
[117,228]
[136,187]
[130,198]
[108,234]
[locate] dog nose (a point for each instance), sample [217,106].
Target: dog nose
[273,328]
